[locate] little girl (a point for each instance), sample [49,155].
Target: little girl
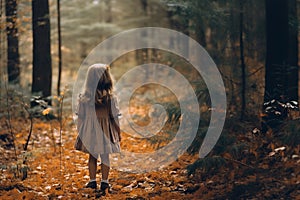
[98,125]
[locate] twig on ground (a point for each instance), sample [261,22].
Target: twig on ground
[239,162]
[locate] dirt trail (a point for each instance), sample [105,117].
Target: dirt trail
[52,175]
[55,175]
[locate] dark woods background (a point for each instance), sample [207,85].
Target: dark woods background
[253,43]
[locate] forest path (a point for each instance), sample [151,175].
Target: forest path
[55,175]
[262,172]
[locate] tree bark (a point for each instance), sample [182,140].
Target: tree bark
[293,71]
[13,57]
[42,69]
[242,58]
[281,76]
[108,13]
[59,48]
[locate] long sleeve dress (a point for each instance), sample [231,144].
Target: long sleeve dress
[98,128]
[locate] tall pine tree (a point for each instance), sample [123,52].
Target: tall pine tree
[42,68]
[13,57]
[281,76]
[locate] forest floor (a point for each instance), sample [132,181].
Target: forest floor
[50,171]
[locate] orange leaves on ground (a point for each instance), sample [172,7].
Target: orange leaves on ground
[53,177]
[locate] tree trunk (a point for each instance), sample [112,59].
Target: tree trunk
[42,69]
[108,13]
[242,57]
[200,34]
[281,75]
[292,74]
[13,58]
[281,79]
[59,48]
[142,55]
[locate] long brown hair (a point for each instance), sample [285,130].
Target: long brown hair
[104,88]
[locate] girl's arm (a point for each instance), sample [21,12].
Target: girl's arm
[80,113]
[115,112]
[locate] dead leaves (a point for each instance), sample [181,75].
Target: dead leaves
[274,167]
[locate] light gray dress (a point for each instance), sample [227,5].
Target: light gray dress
[98,128]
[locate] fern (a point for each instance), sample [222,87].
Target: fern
[207,164]
[291,135]
[173,111]
[213,162]
[225,141]
[236,150]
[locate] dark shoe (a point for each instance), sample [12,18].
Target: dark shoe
[91,184]
[104,187]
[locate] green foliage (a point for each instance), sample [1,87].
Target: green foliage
[226,149]
[224,143]
[202,129]
[20,168]
[203,95]
[291,136]
[173,111]
[208,164]
[172,123]
[200,13]
[13,101]
[236,150]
